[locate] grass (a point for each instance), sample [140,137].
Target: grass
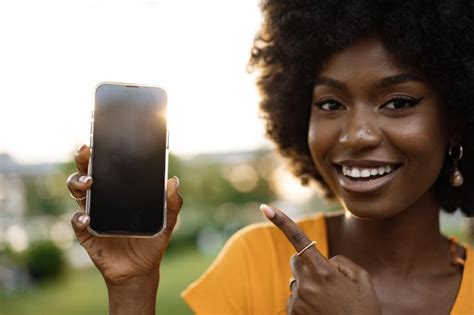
[83,292]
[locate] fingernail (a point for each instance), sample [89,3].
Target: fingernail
[267,211]
[84,179]
[177,182]
[83,219]
[82,147]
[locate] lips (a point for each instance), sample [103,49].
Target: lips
[366,176]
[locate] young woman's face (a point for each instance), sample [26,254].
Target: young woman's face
[377,131]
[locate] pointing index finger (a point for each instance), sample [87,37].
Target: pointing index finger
[292,231]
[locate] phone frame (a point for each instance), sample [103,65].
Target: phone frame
[90,167]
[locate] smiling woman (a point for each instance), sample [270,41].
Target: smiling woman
[429,43]
[379,94]
[376,116]
[371,100]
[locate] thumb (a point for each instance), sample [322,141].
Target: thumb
[80,221]
[174,203]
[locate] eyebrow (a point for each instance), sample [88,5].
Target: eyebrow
[380,84]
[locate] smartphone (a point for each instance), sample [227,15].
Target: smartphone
[128,161]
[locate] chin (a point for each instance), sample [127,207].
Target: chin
[368,211]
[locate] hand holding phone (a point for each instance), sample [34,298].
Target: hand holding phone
[122,261]
[126,262]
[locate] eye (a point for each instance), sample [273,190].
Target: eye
[329,105]
[400,104]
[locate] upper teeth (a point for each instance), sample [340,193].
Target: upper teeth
[357,172]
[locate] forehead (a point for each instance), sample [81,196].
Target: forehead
[364,59]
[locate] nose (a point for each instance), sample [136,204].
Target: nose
[360,131]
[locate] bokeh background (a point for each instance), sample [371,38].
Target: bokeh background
[54,53]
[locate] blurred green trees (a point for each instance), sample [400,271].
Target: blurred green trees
[44,260]
[220,190]
[45,195]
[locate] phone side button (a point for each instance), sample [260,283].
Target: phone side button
[167,139]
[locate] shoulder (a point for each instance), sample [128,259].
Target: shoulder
[464,302]
[256,236]
[254,258]
[469,265]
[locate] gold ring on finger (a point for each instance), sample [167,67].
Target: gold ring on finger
[306,247]
[292,280]
[78,199]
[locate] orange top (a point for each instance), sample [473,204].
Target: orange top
[251,273]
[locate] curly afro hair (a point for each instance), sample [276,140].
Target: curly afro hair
[435,38]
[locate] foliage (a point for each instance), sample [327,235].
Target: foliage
[45,194]
[213,198]
[44,260]
[83,291]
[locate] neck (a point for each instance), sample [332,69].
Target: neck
[407,243]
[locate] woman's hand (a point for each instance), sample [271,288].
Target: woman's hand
[122,261]
[322,286]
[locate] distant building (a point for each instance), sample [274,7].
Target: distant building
[12,189]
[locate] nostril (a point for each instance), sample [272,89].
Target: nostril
[360,138]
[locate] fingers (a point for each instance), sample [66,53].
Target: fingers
[291,230]
[304,269]
[293,294]
[296,236]
[174,202]
[78,184]
[82,159]
[296,266]
[80,221]
[293,285]
[349,268]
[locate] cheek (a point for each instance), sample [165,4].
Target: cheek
[322,136]
[423,143]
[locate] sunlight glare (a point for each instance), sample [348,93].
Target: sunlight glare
[196,50]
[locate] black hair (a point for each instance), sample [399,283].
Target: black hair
[434,37]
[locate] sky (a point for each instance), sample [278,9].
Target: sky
[54,53]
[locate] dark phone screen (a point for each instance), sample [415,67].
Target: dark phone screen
[128,160]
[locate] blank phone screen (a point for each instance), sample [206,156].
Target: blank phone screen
[129,139]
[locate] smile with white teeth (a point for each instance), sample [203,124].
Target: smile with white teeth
[366,172]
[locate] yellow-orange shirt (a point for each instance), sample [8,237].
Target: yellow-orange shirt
[251,273]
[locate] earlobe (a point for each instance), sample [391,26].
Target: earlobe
[455,153]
